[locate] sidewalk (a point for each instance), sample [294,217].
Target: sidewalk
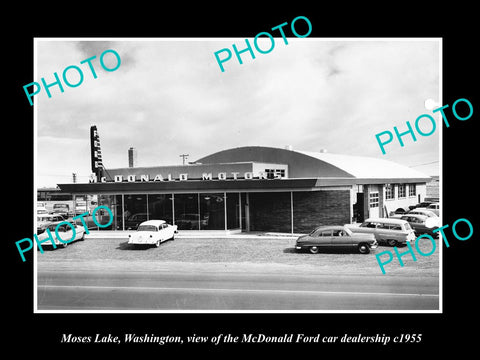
[198,234]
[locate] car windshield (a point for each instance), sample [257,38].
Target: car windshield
[407,226]
[147,228]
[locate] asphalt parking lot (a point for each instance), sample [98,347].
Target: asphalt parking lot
[233,253]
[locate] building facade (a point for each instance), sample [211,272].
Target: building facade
[255,188]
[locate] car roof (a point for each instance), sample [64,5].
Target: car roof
[419,216]
[54,224]
[333,227]
[420,210]
[153,222]
[387,220]
[47,216]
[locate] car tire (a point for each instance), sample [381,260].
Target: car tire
[83,237]
[392,242]
[314,249]
[363,248]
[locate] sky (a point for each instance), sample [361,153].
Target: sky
[169,97]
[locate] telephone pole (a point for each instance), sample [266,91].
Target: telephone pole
[184,156]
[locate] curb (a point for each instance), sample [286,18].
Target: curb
[96,234]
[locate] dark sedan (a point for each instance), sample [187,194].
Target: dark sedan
[336,237]
[422,224]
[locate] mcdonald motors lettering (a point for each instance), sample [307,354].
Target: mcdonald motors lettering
[184,177]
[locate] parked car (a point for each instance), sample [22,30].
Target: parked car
[191,222]
[335,236]
[42,210]
[391,231]
[416,211]
[61,209]
[397,213]
[133,221]
[421,205]
[435,207]
[420,211]
[422,224]
[65,232]
[43,220]
[152,232]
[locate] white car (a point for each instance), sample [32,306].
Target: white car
[41,210]
[435,207]
[419,211]
[152,232]
[391,231]
[65,232]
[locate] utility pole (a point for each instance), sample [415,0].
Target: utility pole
[184,156]
[74,176]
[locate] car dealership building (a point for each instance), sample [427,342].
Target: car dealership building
[254,188]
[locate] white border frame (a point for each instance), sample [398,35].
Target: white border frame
[440,240]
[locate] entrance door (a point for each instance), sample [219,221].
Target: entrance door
[358,208]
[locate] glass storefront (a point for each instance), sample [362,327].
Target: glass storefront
[186,212]
[102,216]
[160,207]
[234,212]
[212,211]
[192,211]
[134,210]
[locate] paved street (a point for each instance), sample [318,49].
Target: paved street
[234,273]
[117,290]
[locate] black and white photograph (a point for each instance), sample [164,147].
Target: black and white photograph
[259,188]
[217,181]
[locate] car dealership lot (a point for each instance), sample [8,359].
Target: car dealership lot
[232,253]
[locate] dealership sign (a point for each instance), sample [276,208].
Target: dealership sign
[249,175]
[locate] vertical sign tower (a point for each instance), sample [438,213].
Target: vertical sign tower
[96,153]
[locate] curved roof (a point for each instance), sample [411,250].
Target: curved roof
[307,164]
[367,167]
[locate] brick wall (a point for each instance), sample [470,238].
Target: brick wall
[316,208]
[271,211]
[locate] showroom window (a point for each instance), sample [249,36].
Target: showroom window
[212,211]
[160,207]
[186,212]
